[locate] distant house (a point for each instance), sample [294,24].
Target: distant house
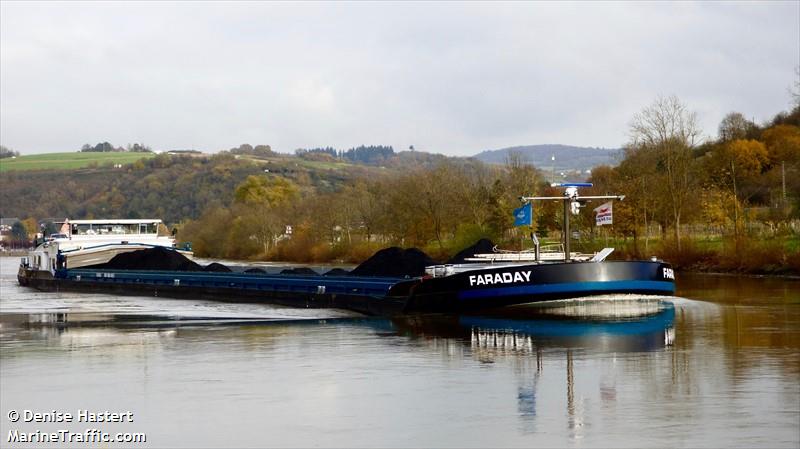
[7,223]
[5,229]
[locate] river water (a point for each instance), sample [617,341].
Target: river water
[718,366]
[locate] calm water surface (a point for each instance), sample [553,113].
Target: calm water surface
[721,369]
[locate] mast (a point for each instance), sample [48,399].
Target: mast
[572,203]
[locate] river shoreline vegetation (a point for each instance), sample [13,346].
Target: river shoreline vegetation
[724,204]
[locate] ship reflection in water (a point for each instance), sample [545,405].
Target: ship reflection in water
[557,331]
[653,331]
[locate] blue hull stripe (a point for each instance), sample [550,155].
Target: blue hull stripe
[571,287]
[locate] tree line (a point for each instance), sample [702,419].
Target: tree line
[106,147]
[250,150]
[738,191]
[7,152]
[362,154]
[439,209]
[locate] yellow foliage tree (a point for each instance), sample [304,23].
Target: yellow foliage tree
[271,191]
[783,143]
[738,162]
[31,226]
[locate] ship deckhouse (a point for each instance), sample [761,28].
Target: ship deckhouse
[81,243]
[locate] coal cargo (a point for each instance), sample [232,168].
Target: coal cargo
[157,259]
[482,246]
[300,270]
[395,262]
[217,267]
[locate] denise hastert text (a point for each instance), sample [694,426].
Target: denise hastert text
[82,416]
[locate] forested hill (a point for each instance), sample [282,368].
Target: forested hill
[567,157]
[177,187]
[171,187]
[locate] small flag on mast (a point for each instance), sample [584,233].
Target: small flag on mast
[523,216]
[605,213]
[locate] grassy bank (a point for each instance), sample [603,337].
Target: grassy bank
[745,255]
[69,161]
[777,256]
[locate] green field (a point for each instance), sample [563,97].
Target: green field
[314,165]
[69,161]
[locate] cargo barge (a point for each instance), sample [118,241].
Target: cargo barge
[384,296]
[486,282]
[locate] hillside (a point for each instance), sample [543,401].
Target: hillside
[172,187]
[69,161]
[568,158]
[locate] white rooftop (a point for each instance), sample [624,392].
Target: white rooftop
[115,221]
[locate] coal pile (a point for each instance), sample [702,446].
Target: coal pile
[217,268]
[255,271]
[157,258]
[395,262]
[482,246]
[337,272]
[300,270]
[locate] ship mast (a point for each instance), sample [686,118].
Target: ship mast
[572,204]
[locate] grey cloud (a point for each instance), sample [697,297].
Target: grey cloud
[455,78]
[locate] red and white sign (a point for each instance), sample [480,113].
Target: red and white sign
[605,214]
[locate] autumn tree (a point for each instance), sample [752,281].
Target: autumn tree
[503,189]
[209,233]
[734,126]
[471,187]
[629,215]
[738,164]
[426,200]
[783,147]
[669,130]
[783,144]
[258,202]
[271,191]
[368,205]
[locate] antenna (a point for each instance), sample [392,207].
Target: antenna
[571,200]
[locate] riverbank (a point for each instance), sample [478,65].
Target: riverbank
[776,256]
[14,253]
[750,257]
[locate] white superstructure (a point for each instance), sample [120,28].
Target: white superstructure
[90,242]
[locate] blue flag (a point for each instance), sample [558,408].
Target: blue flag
[523,216]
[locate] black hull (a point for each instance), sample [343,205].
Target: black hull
[528,284]
[372,306]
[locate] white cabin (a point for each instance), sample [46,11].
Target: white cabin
[90,242]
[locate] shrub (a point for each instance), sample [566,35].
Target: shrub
[691,255]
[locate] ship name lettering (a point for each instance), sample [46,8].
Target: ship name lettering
[499,278]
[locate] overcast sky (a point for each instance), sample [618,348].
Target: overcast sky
[453,78]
